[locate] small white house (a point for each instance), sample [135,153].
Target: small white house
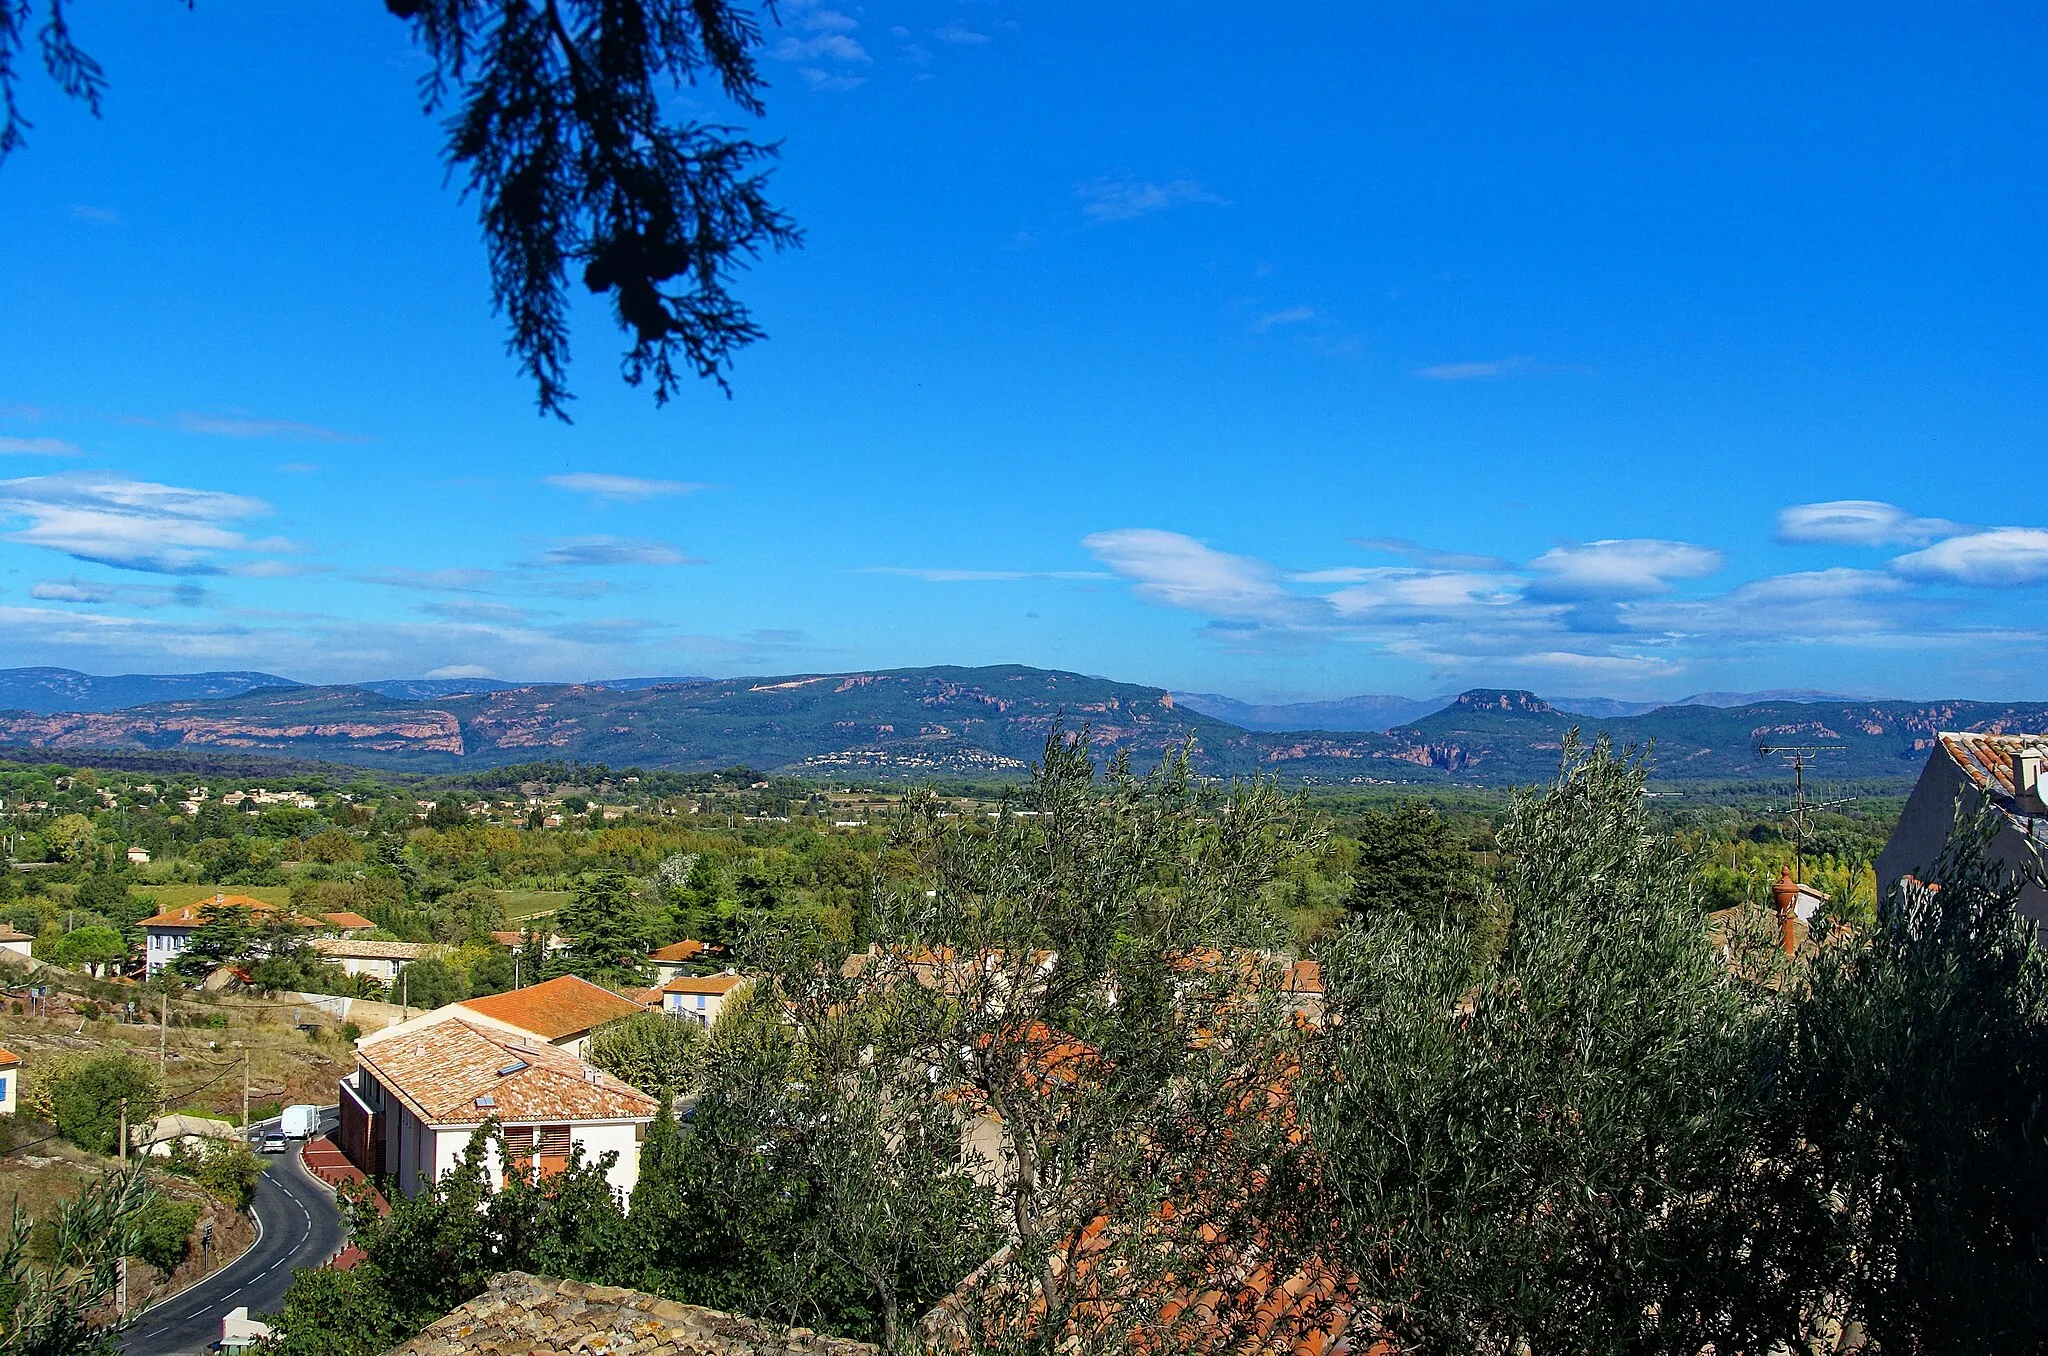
[414,1100]
[138,856]
[700,997]
[16,943]
[380,961]
[194,1132]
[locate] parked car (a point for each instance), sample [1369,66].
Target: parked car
[274,1142]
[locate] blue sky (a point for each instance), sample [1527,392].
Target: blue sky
[1286,352]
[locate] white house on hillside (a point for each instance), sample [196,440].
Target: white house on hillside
[1973,770]
[418,1099]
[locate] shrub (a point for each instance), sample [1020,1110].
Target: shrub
[164,1235]
[87,1101]
[229,1172]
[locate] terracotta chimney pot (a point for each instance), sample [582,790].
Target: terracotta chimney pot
[1785,896]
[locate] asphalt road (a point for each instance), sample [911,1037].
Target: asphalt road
[300,1228]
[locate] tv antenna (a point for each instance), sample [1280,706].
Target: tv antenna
[1799,755]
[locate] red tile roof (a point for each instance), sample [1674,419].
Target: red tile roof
[345,919]
[703,984]
[459,1073]
[564,1006]
[1986,759]
[686,950]
[8,1057]
[188,915]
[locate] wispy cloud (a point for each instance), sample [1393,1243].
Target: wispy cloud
[98,216]
[1292,315]
[821,43]
[960,35]
[945,576]
[38,447]
[241,424]
[76,590]
[1493,369]
[109,519]
[1110,198]
[608,488]
[1998,557]
[1430,557]
[1859,522]
[599,550]
[1179,571]
[1635,568]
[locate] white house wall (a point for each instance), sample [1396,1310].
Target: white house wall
[1923,828]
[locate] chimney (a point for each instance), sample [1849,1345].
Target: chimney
[2026,781]
[1785,896]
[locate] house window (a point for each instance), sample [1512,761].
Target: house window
[3,1087]
[537,1151]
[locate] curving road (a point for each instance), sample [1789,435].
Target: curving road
[299,1228]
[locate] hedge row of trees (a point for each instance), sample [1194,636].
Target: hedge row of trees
[1562,1117]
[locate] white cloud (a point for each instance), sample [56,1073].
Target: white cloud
[76,590]
[241,424]
[38,447]
[109,519]
[1834,604]
[98,216]
[1999,557]
[1858,522]
[1120,198]
[1521,365]
[608,488]
[1177,570]
[599,550]
[820,47]
[461,671]
[1292,315]
[1619,569]
[960,35]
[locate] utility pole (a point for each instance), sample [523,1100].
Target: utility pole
[163,1029]
[123,1151]
[404,995]
[245,1092]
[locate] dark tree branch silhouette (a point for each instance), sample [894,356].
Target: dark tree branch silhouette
[558,127]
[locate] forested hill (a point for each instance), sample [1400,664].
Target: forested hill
[988,722]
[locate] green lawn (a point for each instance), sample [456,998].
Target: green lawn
[172,896]
[521,905]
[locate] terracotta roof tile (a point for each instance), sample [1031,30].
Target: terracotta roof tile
[9,1057]
[460,1073]
[563,1006]
[526,1313]
[687,950]
[189,915]
[346,919]
[703,984]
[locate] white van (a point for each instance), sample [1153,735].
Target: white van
[301,1121]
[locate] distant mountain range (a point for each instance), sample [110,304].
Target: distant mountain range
[979,722]
[1374,712]
[48,691]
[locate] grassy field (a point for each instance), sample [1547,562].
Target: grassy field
[172,896]
[521,905]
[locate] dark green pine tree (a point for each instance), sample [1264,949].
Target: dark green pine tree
[1410,861]
[607,936]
